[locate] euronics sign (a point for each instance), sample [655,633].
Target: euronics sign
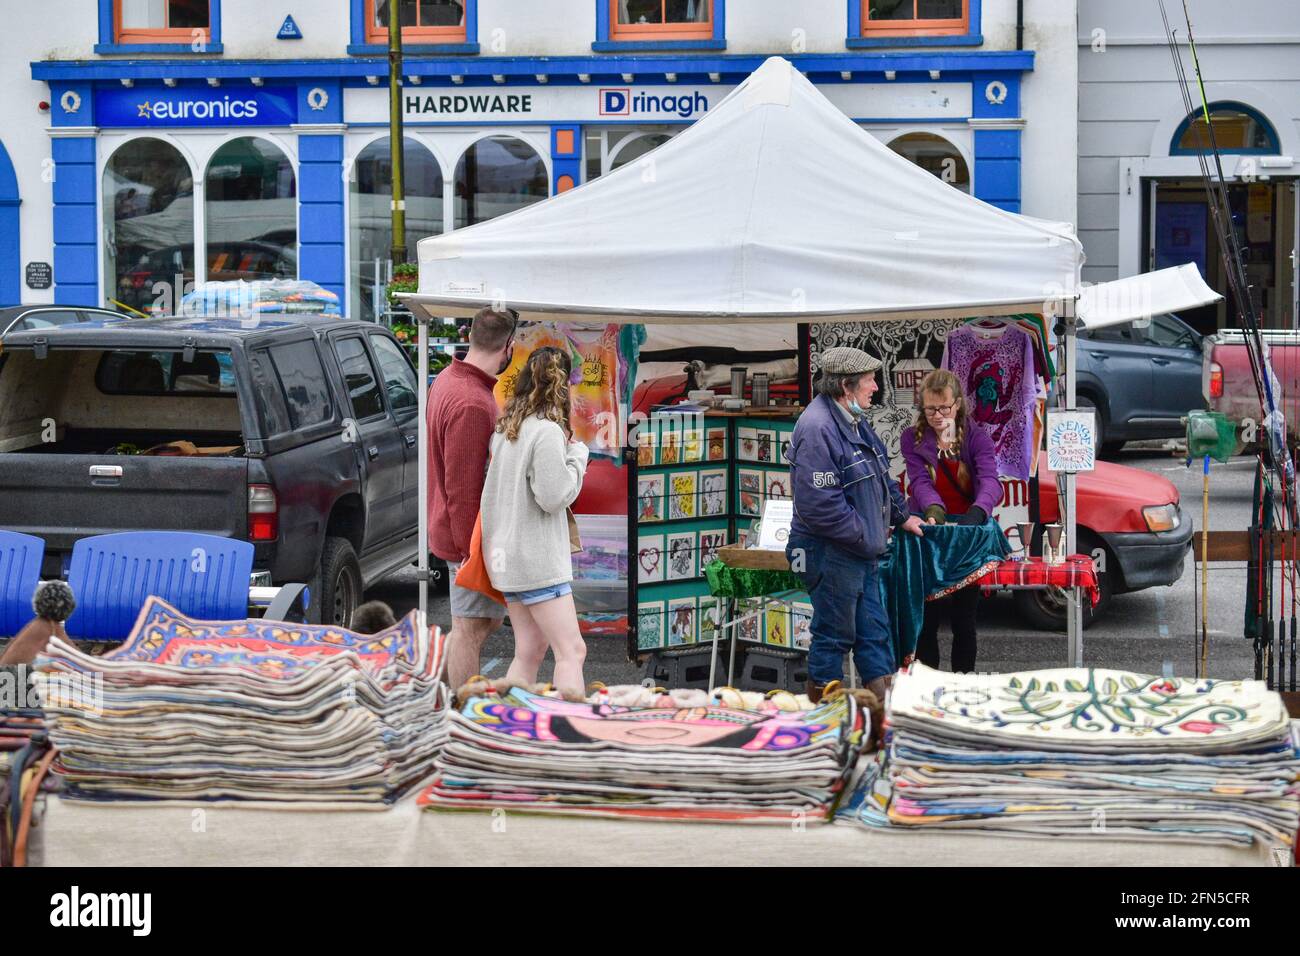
[178,106]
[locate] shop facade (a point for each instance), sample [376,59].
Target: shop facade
[1142,200]
[200,165]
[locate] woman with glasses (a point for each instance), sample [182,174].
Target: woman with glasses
[952,475]
[535,473]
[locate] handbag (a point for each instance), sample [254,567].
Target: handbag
[472,574]
[575,540]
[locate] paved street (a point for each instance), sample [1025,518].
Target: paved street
[1150,631]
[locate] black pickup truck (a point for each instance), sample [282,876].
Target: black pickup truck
[295,433]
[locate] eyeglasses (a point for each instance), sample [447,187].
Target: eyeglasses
[940,409]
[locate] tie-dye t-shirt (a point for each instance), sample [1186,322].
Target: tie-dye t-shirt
[997,375]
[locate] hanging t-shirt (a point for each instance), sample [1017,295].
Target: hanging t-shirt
[996,369]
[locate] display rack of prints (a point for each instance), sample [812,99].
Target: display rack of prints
[700,481]
[1088,753]
[714,763]
[286,714]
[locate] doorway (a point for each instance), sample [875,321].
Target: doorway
[1180,228]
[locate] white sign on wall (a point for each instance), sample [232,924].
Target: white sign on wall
[1072,440]
[595,103]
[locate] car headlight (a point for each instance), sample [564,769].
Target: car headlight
[1162,517]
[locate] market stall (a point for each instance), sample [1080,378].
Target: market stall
[776,208]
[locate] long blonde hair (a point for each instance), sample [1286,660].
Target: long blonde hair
[542,389]
[939,381]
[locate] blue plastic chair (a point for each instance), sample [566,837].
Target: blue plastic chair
[20,570]
[202,575]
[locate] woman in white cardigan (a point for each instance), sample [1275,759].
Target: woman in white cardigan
[535,473]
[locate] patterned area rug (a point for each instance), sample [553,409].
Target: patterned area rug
[1086,753]
[712,763]
[253,710]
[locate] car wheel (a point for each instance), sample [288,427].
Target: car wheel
[338,591]
[1044,608]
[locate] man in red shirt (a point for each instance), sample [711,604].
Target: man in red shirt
[462,414]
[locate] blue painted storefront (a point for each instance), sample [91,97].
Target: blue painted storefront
[308,97]
[10,259]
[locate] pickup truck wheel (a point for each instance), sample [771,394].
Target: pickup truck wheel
[340,583]
[1044,608]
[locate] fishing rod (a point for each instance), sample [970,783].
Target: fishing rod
[1280,459]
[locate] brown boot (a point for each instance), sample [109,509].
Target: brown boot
[816,692]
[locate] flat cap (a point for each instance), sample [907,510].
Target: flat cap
[846,360]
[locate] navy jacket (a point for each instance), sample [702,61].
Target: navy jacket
[842,489]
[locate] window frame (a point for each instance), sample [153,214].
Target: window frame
[113,38]
[416,40]
[1236,106]
[611,37]
[865,33]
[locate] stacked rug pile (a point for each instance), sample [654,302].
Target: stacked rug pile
[253,710]
[1086,753]
[672,758]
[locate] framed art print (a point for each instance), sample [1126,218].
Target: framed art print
[710,542]
[717,450]
[751,620]
[778,485]
[645,446]
[747,444]
[679,556]
[681,621]
[783,448]
[649,625]
[766,447]
[670,442]
[650,559]
[682,501]
[751,491]
[713,493]
[777,626]
[707,619]
[801,625]
[693,445]
[650,498]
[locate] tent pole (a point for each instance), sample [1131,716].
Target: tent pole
[422,438]
[1073,607]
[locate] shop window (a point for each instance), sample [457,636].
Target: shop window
[252,212]
[661,19]
[148,195]
[185,24]
[609,149]
[1237,129]
[935,155]
[371,215]
[429,21]
[914,17]
[498,175]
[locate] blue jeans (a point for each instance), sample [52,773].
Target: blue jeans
[848,613]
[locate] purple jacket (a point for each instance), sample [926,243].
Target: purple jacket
[977,453]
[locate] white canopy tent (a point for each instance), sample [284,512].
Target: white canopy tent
[774,207]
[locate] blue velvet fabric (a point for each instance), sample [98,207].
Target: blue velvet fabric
[915,568]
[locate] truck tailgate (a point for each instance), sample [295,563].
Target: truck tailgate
[56,497]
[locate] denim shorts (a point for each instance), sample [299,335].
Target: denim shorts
[538,595]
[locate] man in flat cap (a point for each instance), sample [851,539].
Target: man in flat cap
[844,505]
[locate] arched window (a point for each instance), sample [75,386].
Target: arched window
[371,213]
[935,155]
[498,175]
[1237,129]
[250,200]
[149,211]
[608,149]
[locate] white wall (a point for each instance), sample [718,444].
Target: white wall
[1130,105]
[1049,172]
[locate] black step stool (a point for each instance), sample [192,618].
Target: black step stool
[686,667]
[770,668]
